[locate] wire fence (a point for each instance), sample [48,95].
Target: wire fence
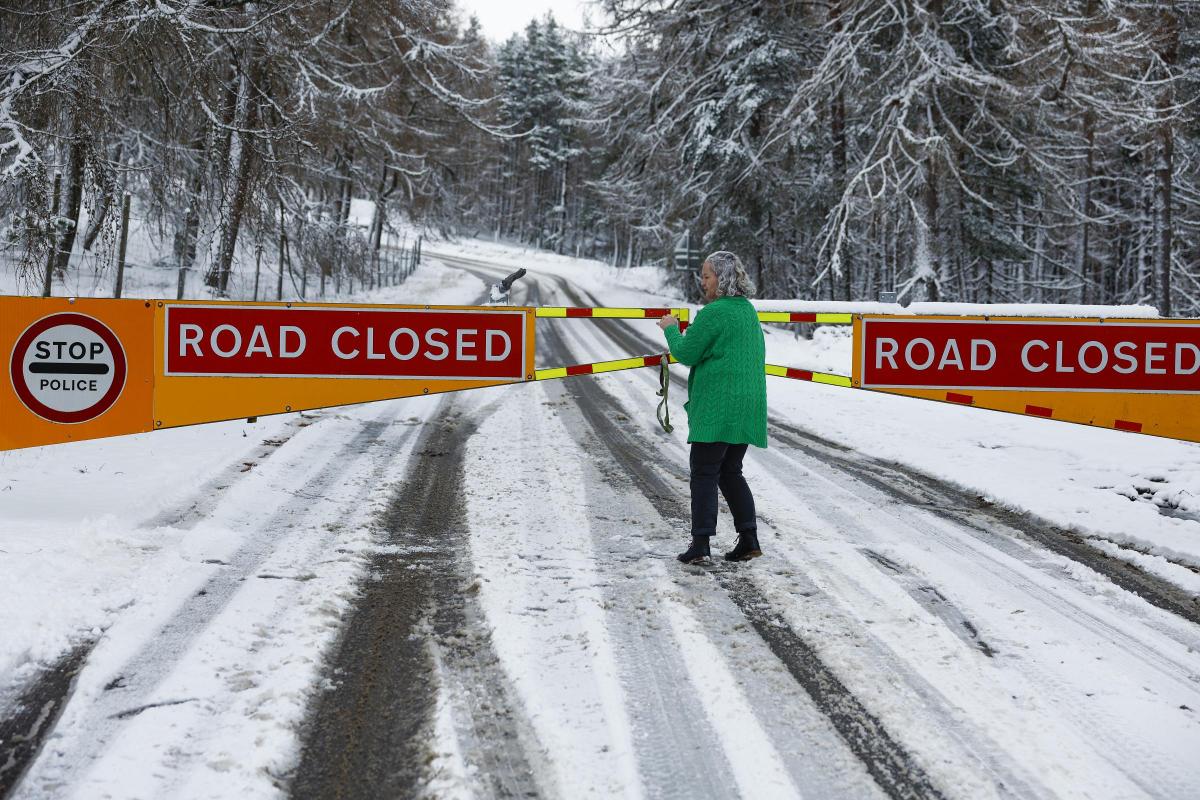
[137,258]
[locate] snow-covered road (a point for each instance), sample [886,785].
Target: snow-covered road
[901,637]
[476,596]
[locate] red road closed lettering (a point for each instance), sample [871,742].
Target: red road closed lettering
[1081,356]
[344,342]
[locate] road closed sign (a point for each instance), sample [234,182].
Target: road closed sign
[68,368]
[1086,355]
[344,342]
[1140,376]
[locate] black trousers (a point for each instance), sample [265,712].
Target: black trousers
[719,465]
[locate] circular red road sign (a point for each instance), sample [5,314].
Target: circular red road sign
[68,368]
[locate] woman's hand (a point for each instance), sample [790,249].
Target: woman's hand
[667,321]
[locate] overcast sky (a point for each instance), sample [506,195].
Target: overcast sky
[502,18]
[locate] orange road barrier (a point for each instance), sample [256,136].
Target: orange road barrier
[1136,375]
[87,368]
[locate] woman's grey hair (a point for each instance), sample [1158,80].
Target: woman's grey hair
[732,280]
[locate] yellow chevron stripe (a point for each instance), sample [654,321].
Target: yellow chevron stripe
[777,371]
[832,380]
[619,364]
[774,316]
[551,311]
[835,319]
[552,372]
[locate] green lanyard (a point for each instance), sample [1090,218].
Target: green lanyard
[664,382]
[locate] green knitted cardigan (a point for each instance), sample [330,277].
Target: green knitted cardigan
[727,385]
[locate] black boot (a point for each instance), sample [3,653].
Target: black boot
[697,553]
[746,547]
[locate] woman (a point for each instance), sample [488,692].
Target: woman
[727,402]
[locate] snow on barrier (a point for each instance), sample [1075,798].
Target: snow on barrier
[88,368]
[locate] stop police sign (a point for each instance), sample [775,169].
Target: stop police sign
[1087,355]
[68,368]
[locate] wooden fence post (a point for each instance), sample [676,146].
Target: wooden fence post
[49,278]
[282,244]
[257,267]
[181,278]
[121,247]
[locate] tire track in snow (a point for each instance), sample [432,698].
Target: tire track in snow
[35,713]
[995,533]
[201,503]
[933,601]
[999,532]
[1007,778]
[101,721]
[37,706]
[893,769]
[369,736]
[915,489]
[851,507]
[679,754]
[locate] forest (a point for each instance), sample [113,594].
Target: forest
[956,150]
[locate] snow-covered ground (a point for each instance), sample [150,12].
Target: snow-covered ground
[214,565]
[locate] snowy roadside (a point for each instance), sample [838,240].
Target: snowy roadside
[103,540]
[1117,488]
